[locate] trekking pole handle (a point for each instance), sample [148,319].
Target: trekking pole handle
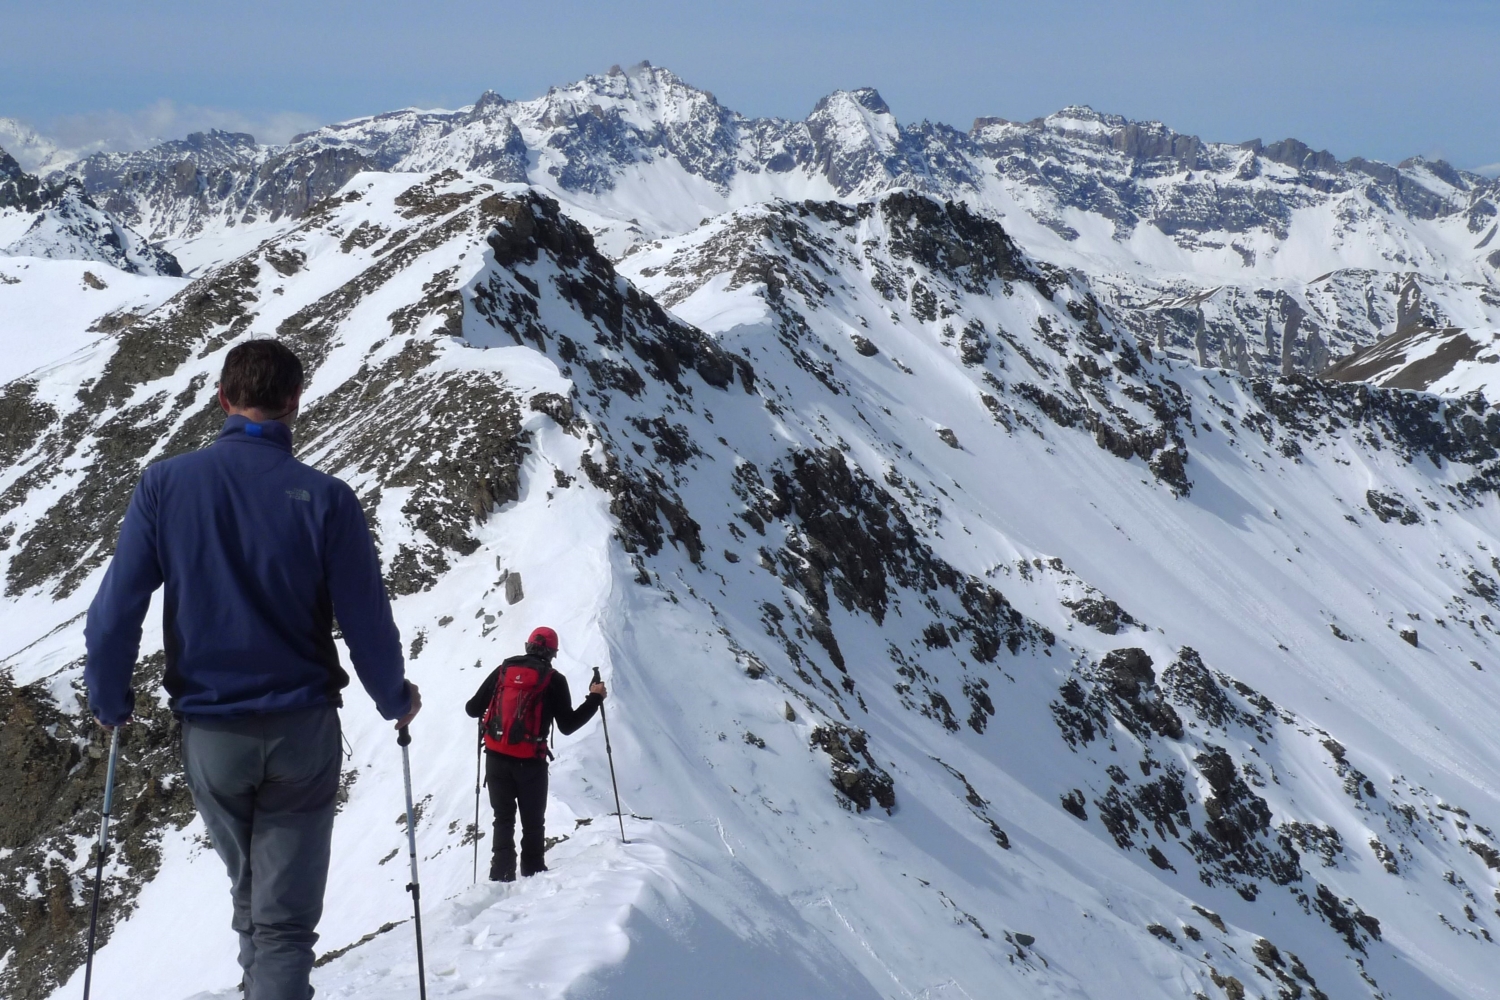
[597,679]
[403,736]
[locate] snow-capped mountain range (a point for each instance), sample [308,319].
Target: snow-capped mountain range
[966,637]
[1169,227]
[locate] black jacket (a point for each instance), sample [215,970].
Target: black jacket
[557,704]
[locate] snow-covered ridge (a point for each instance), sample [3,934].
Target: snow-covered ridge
[958,643]
[59,221]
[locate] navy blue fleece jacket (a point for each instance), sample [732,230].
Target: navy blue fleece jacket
[256,553]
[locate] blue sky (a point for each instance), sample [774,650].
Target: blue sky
[1378,78]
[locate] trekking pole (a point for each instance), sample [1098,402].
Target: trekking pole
[109,796]
[478,770]
[608,752]
[403,738]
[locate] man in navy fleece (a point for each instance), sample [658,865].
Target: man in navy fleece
[256,553]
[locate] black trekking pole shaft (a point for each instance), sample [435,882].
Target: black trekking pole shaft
[403,738]
[610,753]
[109,796]
[478,770]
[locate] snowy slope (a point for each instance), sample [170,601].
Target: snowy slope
[52,308]
[957,645]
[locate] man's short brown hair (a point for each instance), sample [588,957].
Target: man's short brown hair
[262,374]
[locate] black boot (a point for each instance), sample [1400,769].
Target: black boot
[503,870]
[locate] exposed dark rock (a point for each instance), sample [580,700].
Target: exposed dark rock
[973,343]
[1356,785]
[978,805]
[1410,424]
[847,535]
[218,303]
[287,261]
[1130,683]
[1188,681]
[1346,918]
[1389,507]
[452,437]
[1232,987]
[949,240]
[1233,846]
[53,784]
[1486,853]
[22,419]
[559,408]
[77,533]
[640,501]
[1324,841]
[20,190]
[1162,802]
[1079,720]
[1100,613]
[856,776]
[1212,918]
[671,442]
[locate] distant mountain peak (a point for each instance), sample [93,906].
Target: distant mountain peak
[867,98]
[488,101]
[32,150]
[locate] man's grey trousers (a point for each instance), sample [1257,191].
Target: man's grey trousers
[266,786]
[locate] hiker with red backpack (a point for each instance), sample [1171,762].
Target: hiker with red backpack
[517,705]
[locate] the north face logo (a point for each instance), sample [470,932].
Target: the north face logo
[302,495]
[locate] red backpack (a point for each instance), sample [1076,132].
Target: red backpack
[513,722]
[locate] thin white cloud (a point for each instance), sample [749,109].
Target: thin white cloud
[122,131]
[1489,170]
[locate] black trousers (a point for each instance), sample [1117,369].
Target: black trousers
[518,783]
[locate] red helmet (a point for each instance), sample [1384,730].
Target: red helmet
[543,637]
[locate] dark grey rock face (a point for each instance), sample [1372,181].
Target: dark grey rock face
[860,782]
[18,189]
